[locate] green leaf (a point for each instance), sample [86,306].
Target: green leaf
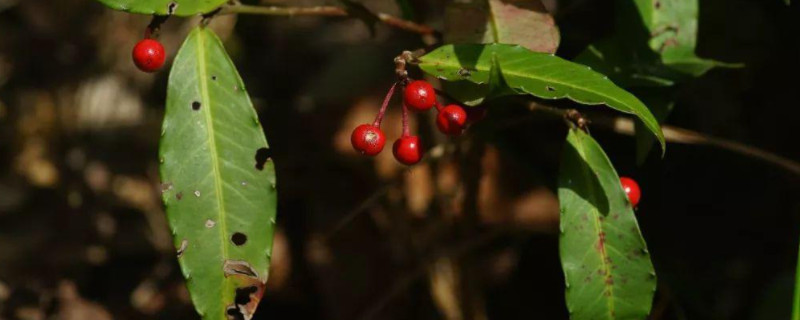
[673,30]
[165,7]
[655,44]
[406,9]
[472,94]
[628,65]
[538,74]
[218,181]
[523,22]
[661,104]
[605,260]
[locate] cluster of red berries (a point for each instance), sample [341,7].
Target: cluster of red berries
[148,55]
[631,189]
[419,95]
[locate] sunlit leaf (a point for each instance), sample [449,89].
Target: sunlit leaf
[218,181]
[606,264]
[473,94]
[538,74]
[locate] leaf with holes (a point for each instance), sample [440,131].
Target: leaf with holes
[165,7]
[523,22]
[218,181]
[539,74]
[606,264]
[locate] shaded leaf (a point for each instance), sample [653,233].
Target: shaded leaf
[218,180]
[628,65]
[165,7]
[606,264]
[796,303]
[406,9]
[538,74]
[661,105]
[673,34]
[654,46]
[523,22]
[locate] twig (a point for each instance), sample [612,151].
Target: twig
[402,61]
[404,24]
[353,214]
[405,281]
[674,134]
[325,11]
[685,136]
[434,153]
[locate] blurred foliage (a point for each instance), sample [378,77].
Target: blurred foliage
[83,234]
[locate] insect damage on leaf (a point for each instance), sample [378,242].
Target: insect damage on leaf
[239,239]
[171,7]
[262,155]
[184,245]
[249,290]
[213,146]
[245,302]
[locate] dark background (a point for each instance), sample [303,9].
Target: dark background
[472,234]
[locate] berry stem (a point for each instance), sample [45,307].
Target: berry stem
[154,26]
[438,106]
[406,132]
[379,117]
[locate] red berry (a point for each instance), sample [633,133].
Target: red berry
[368,139]
[451,120]
[631,190]
[148,55]
[419,95]
[407,150]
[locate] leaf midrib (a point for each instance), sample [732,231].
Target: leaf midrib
[505,71]
[598,227]
[653,125]
[204,91]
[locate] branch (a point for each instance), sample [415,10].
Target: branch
[674,134]
[680,135]
[325,11]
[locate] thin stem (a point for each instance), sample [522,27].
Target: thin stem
[438,106]
[404,24]
[672,134]
[406,131]
[326,11]
[685,136]
[154,27]
[379,117]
